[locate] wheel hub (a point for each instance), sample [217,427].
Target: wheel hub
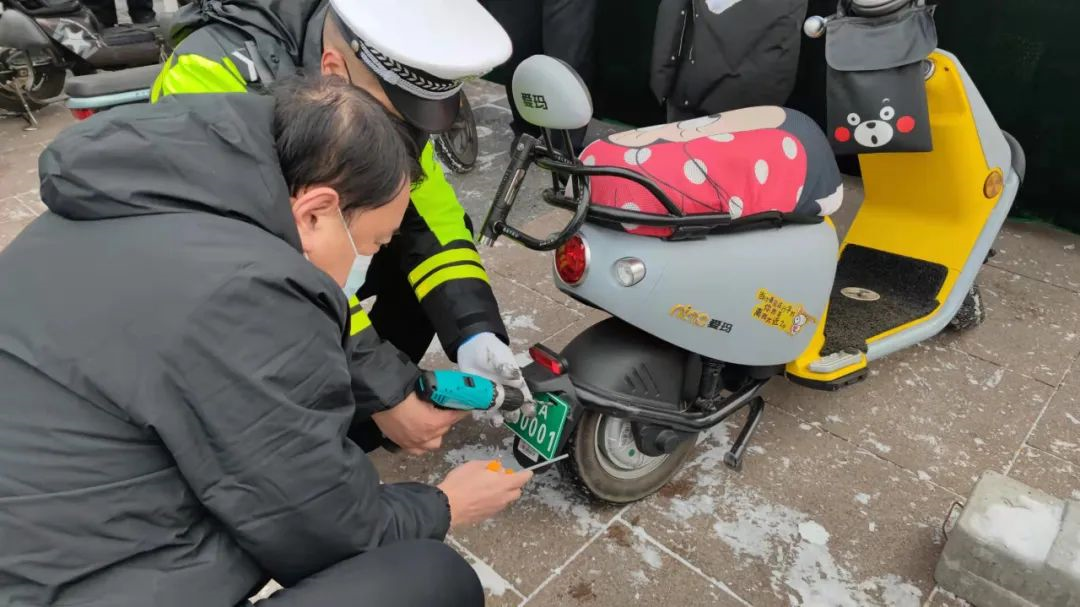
[618,453]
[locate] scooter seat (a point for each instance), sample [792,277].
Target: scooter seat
[743,162]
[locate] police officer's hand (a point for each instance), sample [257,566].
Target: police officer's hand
[416,425]
[477,492]
[486,355]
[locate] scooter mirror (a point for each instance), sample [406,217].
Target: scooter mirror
[549,94]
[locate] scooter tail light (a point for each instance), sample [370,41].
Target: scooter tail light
[572,260]
[547,359]
[82,113]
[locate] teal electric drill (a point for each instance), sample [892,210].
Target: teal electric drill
[467,392]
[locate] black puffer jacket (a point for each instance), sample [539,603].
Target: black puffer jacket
[174,375]
[712,56]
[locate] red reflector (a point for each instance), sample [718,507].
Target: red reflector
[547,359]
[572,260]
[82,114]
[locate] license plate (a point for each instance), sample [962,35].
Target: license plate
[542,432]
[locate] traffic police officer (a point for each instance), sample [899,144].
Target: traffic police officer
[414,57]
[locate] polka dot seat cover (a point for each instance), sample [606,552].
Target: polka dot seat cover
[741,162]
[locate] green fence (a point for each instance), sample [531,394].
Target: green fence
[1023,55]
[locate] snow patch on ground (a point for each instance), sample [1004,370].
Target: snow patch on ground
[789,543]
[649,554]
[995,379]
[548,489]
[495,584]
[879,445]
[1026,528]
[814,533]
[521,322]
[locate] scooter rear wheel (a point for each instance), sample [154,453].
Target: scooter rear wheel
[459,147]
[41,84]
[605,464]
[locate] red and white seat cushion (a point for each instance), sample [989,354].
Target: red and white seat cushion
[742,162]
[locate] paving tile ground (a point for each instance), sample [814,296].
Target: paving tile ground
[1047,472]
[1058,431]
[842,496]
[811,519]
[1032,326]
[1041,252]
[934,410]
[624,566]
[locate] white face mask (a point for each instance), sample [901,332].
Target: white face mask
[360,265]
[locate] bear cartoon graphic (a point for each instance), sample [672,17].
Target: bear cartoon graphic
[876,132]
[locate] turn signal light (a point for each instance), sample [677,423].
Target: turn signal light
[572,260]
[547,359]
[994,184]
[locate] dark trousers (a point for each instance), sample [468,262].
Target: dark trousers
[398,318]
[397,315]
[560,28]
[141,11]
[406,574]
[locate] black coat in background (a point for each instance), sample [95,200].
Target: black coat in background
[711,56]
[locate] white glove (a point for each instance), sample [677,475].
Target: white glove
[486,355]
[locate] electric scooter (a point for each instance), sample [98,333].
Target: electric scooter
[457,148]
[721,268]
[41,40]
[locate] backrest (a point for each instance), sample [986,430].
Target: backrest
[549,94]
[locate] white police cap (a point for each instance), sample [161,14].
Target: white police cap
[423,50]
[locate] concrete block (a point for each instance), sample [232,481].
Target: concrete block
[1013,546]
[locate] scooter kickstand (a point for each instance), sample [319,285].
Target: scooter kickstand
[27,114]
[733,458]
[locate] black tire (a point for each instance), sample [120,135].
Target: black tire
[459,147]
[972,313]
[48,83]
[585,470]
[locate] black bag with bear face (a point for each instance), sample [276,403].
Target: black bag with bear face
[876,81]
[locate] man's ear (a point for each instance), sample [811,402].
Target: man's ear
[333,62]
[312,209]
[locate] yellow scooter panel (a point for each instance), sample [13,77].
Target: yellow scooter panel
[930,206]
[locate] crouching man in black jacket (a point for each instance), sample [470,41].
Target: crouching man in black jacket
[173,360]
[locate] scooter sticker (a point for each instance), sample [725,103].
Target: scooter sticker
[687,313]
[791,318]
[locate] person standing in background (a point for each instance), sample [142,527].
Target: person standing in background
[141,11]
[565,32]
[712,56]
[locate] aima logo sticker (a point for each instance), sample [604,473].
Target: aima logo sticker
[687,313]
[536,102]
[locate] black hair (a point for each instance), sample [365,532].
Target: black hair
[330,133]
